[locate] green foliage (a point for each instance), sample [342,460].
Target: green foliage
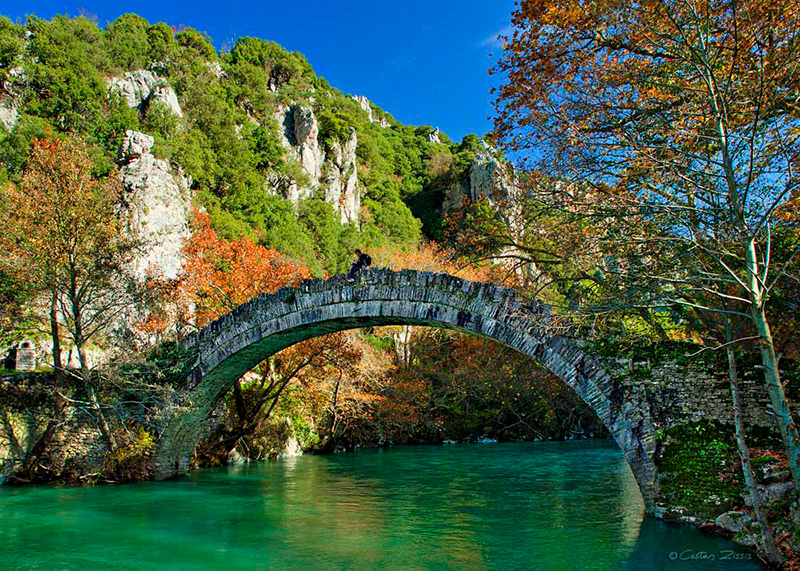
[160,122]
[334,242]
[161,44]
[130,462]
[395,221]
[228,140]
[127,42]
[117,117]
[701,467]
[262,73]
[11,45]
[15,145]
[265,145]
[66,86]
[15,324]
[196,46]
[332,129]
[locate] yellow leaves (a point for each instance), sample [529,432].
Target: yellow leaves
[60,218]
[431,257]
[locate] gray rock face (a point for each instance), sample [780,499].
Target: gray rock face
[8,112]
[216,69]
[142,88]
[341,188]
[773,493]
[491,178]
[306,136]
[488,177]
[134,145]
[10,95]
[433,136]
[159,207]
[334,172]
[365,105]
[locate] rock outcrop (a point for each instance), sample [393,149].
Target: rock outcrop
[773,494]
[367,107]
[306,136]
[333,171]
[134,146]
[142,88]
[733,522]
[433,136]
[341,180]
[10,96]
[159,207]
[493,178]
[488,177]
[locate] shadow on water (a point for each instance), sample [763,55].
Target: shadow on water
[548,505]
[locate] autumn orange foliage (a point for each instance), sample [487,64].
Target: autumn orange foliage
[220,275]
[432,257]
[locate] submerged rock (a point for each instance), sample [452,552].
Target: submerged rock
[733,522]
[235,457]
[291,448]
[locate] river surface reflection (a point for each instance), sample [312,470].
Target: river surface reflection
[546,505]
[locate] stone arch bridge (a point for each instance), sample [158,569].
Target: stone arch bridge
[235,343]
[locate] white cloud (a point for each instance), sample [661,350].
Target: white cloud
[494,40]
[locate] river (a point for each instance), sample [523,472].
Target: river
[545,505]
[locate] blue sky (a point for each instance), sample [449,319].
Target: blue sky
[423,61]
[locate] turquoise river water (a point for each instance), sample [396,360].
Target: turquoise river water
[548,505]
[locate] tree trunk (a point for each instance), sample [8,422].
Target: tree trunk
[756,295]
[769,362]
[771,552]
[241,409]
[86,376]
[28,468]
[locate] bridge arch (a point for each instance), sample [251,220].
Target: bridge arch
[235,343]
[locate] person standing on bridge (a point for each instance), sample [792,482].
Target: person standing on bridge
[363,260]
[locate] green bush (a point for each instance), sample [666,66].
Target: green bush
[127,42]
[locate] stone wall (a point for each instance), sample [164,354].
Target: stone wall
[78,452]
[683,392]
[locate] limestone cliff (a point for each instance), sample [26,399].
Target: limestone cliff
[10,96]
[493,178]
[488,177]
[366,105]
[142,88]
[158,203]
[332,171]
